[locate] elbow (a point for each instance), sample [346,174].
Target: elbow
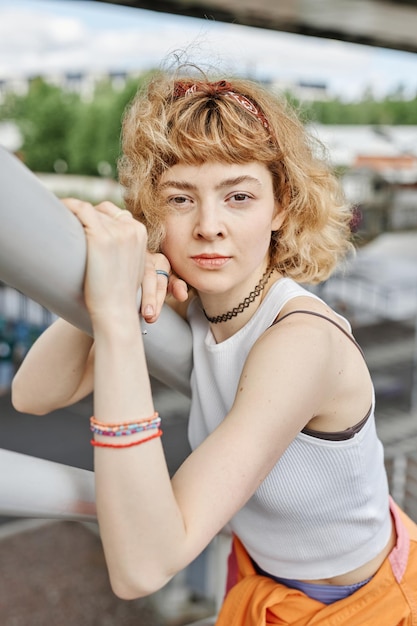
[124,592]
[137,586]
[17,397]
[21,402]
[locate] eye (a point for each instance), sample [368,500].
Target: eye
[239,198]
[179,201]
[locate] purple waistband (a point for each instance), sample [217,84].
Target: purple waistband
[327,594]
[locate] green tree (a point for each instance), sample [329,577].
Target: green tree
[61,132]
[393,109]
[65,133]
[94,143]
[45,117]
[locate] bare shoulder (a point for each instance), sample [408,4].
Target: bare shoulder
[302,326]
[296,354]
[307,304]
[309,336]
[307,349]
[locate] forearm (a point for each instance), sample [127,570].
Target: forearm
[53,370]
[140,522]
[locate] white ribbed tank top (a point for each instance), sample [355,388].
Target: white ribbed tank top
[323,510]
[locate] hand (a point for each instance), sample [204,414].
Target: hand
[155,287]
[116,253]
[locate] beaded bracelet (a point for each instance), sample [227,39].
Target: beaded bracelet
[123,433]
[128,429]
[100,444]
[118,425]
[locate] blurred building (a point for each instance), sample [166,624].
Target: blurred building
[82,83]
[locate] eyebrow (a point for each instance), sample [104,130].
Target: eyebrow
[227,182]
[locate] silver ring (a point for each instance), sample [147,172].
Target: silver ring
[120,213]
[163,273]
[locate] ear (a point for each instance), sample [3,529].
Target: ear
[278,217]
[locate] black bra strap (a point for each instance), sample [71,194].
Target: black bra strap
[345,332]
[349,432]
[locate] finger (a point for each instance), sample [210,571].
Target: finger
[114,218]
[74,204]
[154,292]
[162,286]
[84,211]
[149,288]
[123,214]
[163,272]
[112,210]
[178,288]
[154,287]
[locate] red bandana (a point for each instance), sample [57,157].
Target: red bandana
[220,88]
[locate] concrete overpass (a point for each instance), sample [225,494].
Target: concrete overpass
[381,23]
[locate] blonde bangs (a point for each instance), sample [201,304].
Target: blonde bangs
[217,131]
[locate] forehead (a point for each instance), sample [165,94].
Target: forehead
[216,174]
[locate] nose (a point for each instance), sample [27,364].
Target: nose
[209,223]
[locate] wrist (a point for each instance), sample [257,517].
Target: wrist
[122,322]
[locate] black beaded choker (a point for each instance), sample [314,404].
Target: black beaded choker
[224,317]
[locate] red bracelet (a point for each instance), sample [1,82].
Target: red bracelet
[100,444]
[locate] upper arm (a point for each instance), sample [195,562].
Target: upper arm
[280,388]
[57,370]
[86,384]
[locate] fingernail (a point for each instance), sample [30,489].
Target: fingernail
[148,312]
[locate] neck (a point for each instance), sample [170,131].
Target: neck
[244,304]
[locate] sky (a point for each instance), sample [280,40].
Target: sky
[46,36]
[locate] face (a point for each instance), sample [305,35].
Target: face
[219,224]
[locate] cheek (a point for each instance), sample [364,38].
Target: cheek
[259,231]
[165,247]
[258,239]
[171,245]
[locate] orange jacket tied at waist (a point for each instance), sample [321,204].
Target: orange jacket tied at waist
[388,599]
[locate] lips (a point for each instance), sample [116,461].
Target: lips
[210,261]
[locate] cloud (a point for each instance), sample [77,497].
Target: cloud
[29,39]
[34,40]
[44,36]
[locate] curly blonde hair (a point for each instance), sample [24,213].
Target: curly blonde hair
[164,126]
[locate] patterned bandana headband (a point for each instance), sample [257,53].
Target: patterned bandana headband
[222,87]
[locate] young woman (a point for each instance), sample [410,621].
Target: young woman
[229,203]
